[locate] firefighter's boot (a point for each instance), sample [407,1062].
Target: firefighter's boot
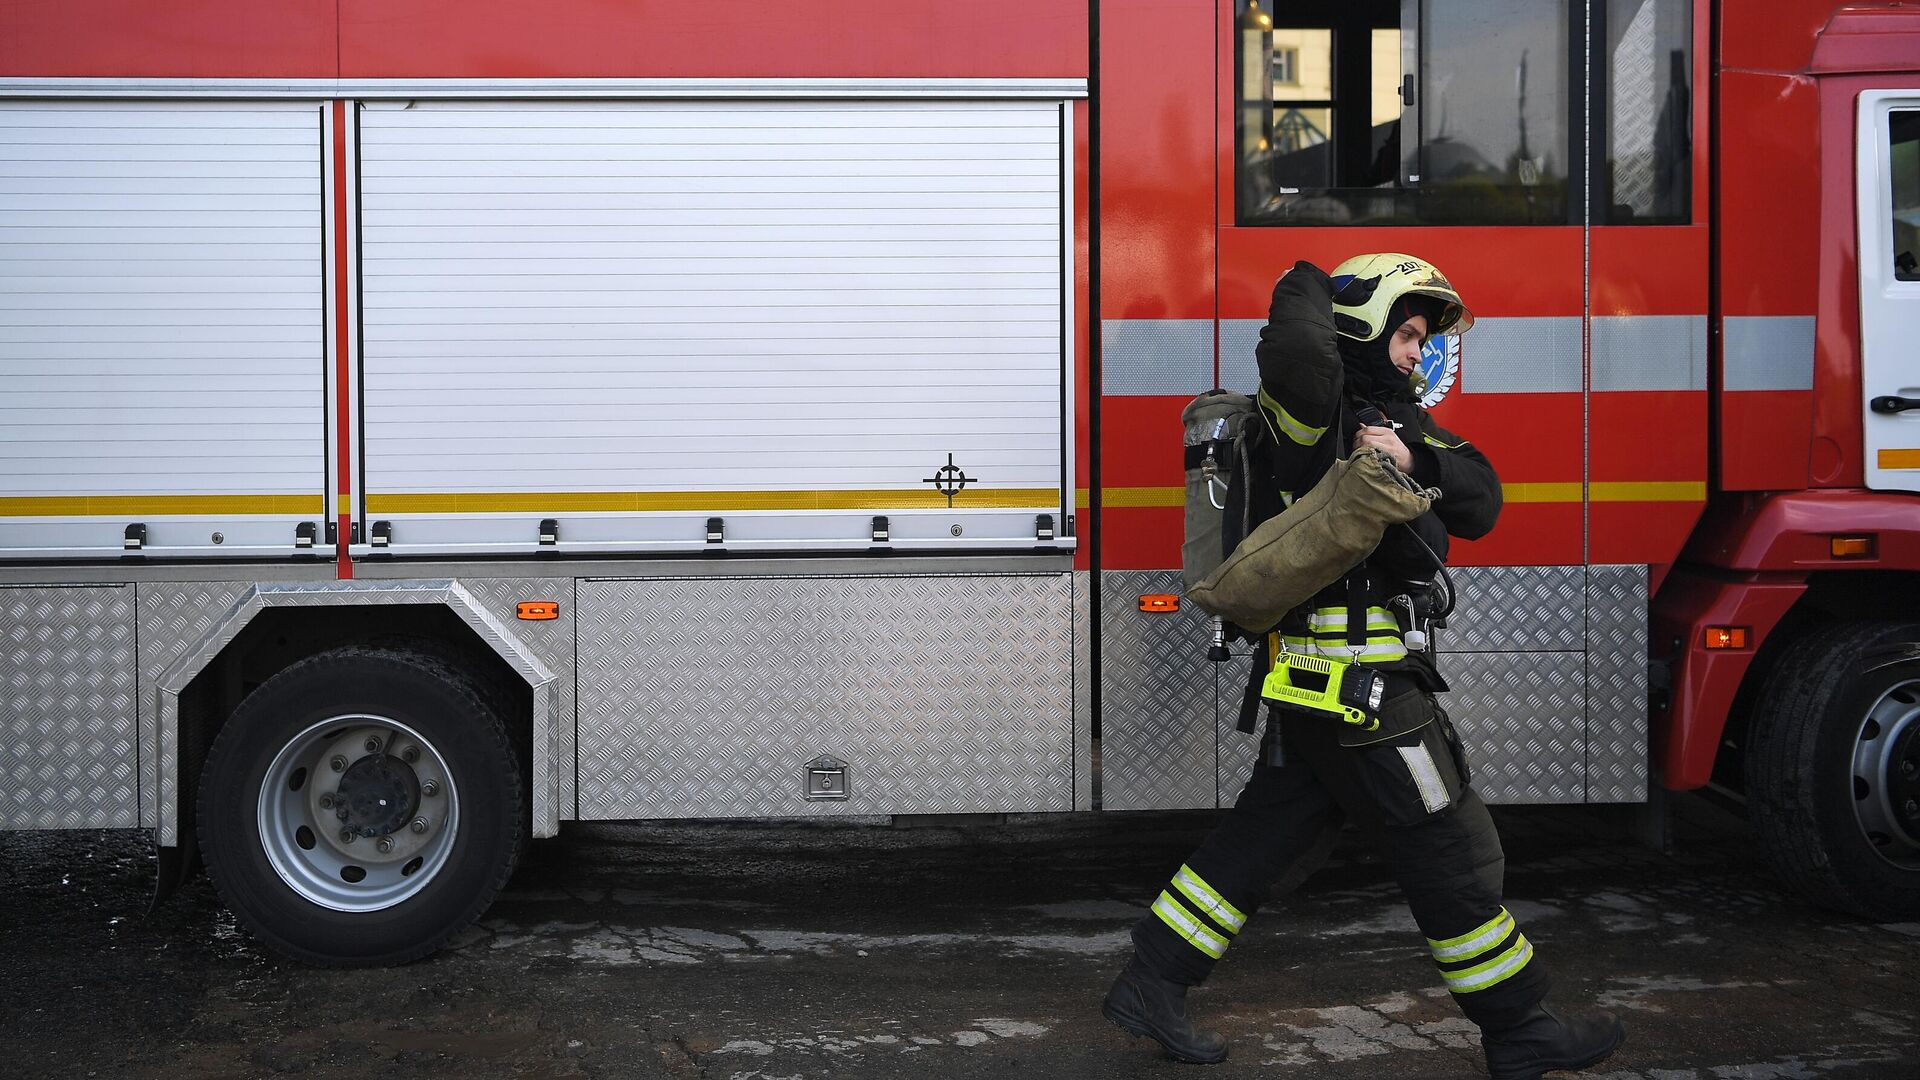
[1144,1003]
[1542,1042]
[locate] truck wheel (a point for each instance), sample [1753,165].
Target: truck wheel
[1833,771]
[362,806]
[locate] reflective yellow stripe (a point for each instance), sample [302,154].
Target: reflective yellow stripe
[1335,622]
[1287,424]
[1431,441]
[1475,941]
[1497,970]
[1191,932]
[121,506]
[1381,650]
[1647,491]
[1207,900]
[581,502]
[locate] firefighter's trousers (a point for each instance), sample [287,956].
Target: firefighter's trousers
[1438,834]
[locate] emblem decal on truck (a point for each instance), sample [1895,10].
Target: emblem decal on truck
[1439,369]
[949,480]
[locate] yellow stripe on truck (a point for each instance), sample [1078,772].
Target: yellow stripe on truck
[138,506]
[588,502]
[1598,491]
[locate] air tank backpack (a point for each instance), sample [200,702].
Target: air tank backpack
[1288,558]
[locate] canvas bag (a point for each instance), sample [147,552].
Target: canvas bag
[1312,543]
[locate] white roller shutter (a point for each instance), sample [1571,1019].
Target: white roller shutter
[631,317]
[161,327]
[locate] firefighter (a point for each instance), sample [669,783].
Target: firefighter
[1338,372]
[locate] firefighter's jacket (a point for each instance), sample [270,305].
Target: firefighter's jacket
[1310,419]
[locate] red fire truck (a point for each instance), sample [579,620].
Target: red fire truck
[424,423]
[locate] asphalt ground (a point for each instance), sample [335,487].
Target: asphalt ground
[764,951]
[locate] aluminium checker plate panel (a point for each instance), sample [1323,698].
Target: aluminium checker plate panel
[67,708]
[940,694]
[174,618]
[1617,733]
[551,642]
[1158,747]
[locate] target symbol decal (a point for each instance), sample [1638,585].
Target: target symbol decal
[949,480]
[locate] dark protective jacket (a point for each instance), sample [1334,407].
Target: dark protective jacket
[1310,419]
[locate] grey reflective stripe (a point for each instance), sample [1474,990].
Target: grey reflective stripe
[1767,352]
[1521,356]
[1426,777]
[1649,352]
[1144,357]
[1238,367]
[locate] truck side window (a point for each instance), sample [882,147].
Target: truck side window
[1411,112]
[1643,112]
[1903,135]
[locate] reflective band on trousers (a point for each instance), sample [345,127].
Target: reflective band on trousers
[1290,427]
[1204,898]
[1497,970]
[1475,941]
[1189,929]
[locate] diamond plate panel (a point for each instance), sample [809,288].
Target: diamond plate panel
[1517,609]
[67,708]
[1522,717]
[1082,690]
[1157,717]
[1617,739]
[173,618]
[942,694]
[552,643]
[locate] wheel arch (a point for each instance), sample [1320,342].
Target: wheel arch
[189,692]
[1830,597]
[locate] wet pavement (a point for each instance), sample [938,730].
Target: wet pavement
[765,951]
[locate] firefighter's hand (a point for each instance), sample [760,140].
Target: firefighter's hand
[1384,440]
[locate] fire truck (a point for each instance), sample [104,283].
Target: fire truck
[424,423]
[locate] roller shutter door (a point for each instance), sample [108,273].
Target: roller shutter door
[162,340]
[631,317]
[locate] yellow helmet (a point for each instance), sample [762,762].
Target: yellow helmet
[1365,288]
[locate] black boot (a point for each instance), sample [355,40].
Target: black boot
[1543,1042]
[1145,1004]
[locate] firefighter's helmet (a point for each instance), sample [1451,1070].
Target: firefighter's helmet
[1365,288]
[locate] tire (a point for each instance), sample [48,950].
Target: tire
[407,753]
[1833,770]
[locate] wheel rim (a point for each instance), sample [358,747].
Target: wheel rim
[358,813]
[1886,775]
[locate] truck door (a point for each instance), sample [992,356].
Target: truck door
[1889,214]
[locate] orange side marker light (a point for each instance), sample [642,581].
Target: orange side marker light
[539,610]
[1159,603]
[1853,547]
[1727,637]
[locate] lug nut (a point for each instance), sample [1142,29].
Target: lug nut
[410,755]
[373,746]
[326,801]
[1908,768]
[430,788]
[385,844]
[347,836]
[1913,808]
[341,813]
[339,763]
[419,825]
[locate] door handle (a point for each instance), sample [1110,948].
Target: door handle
[1890,403]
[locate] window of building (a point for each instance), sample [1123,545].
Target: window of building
[1286,67]
[1644,127]
[1407,112]
[1903,135]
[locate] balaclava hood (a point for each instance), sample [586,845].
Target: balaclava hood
[1370,375]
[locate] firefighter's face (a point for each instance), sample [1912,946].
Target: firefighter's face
[1404,348]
